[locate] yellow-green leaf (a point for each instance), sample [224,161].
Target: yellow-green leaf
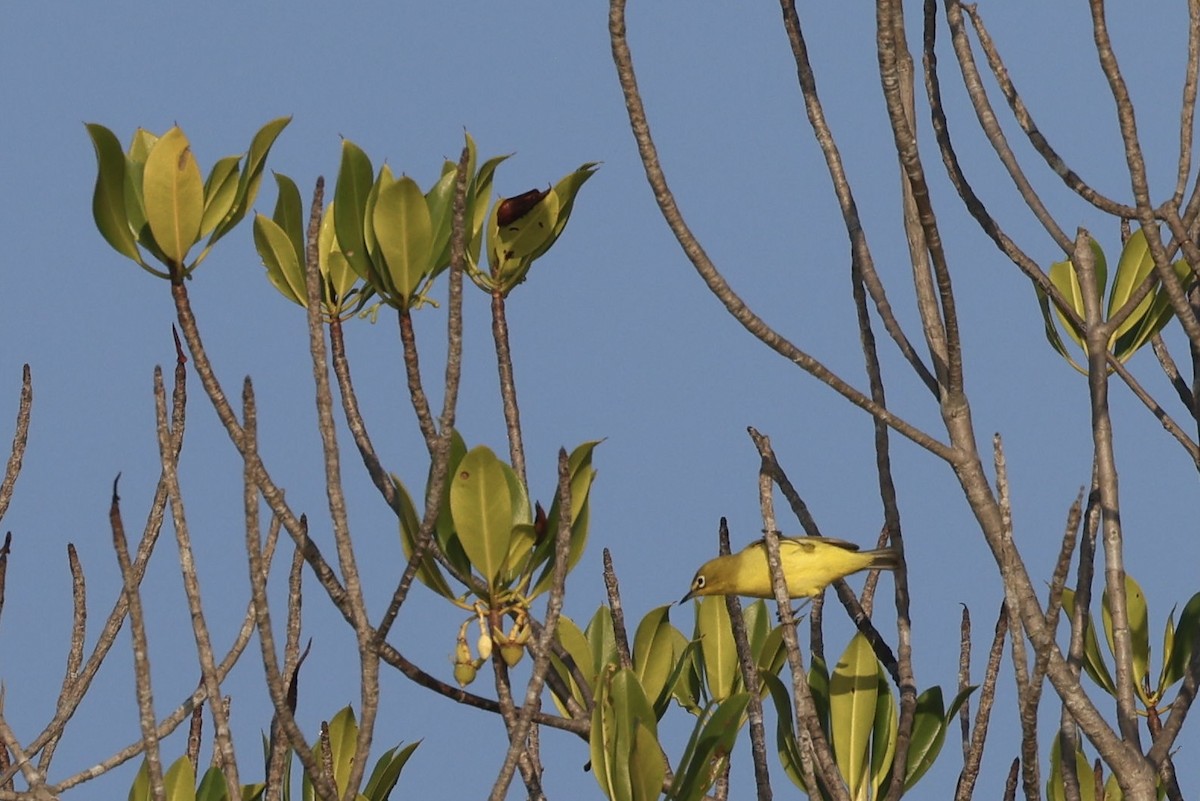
[481,506]
[1139,630]
[1093,660]
[179,783]
[404,232]
[853,692]
[715,633]
[653,658]
[354,182]
[275,250]
[108,199]
[173,192]
[220,193]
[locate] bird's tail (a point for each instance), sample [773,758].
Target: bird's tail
[884,559]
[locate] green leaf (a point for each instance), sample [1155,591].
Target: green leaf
[1186,640]
[1062,275]
[404,232]
[387,772]
[174,195]
[140,789]
[220,192]
[708,749]
[251,176]
[355,178]
[179,783]
[339,275]
[275,250]
[447,535]
[623,733]
[513,245]
[213,786]
[929,731]
[818,686]
[579,467]
[1134,266]
[575,642]
[853,693]
[1160,312]
[566,190]
[646,767]
[429,573]
[478,196]
[884,735]
[289,213]
[653,655]
[687,681]
[785,730]
[343,743]
[481,506]
[1139,630]
[440,200]
[602,641]
[715,633]
[108,199]
[1055,785]
[1093,660]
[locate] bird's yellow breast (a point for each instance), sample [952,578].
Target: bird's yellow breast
[809,565]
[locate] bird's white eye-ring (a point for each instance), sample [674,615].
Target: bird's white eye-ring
[699,582]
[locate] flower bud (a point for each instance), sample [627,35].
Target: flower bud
[484,645]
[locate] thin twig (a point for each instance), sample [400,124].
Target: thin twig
[613,592]
[20,439]
[754,710]
[973,752]
[562,552]
[141,655]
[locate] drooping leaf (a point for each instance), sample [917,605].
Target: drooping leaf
[275,250]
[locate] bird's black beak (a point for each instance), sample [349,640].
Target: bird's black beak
[686,598]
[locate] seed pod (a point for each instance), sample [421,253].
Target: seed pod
[511,654]
[464,673]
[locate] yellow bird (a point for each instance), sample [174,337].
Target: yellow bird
[809,564]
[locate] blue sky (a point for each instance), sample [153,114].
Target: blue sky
[614,335]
